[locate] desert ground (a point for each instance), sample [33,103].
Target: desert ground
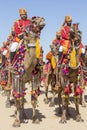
[48,116]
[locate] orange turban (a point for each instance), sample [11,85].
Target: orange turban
[22,11]
[68,18]
[49,56]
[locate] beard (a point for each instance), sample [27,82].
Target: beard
[69,24]
[24,17]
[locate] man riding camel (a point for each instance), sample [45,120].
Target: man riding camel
[18,32]
[65,41]
[4,49]
[22,24]
[57,40]
[13,43]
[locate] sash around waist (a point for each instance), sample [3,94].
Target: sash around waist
[31,45]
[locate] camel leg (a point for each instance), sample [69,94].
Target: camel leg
[34,97]
[3,91]
[1,88]
[8,104]
[59,103]
[64,109]
[35,118]
[52,100]
[15,109]
[17,115]
[46,100]
[83,98]
[24,116]
[78,116]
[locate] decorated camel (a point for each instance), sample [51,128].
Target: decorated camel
[71,84]
[84,77]
[52,76]
[25,68]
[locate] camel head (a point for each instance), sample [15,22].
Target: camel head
[75,38]
[86,54]
[37,24]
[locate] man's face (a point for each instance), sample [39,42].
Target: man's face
[69,23]
[58,36]
[4,44]
[23,16]
[76,27]
[13,33]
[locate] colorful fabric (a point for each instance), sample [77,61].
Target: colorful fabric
[65,32]
[4,50]
[19,60]
[37,48]
[49,55]
[66,45]
[56,42]
[79,90]
[53,61]
[18,95]
[73,58]
[19,25]
[45,69]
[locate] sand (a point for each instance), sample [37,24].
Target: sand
[49,119]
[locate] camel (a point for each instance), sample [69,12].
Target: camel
[55,84]
[52,77]
[84,77]
[72,84]
[31,43]
[47,74]
[3,72]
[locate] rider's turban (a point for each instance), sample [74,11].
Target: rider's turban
[4,43]
[22,11]
[12,29]
[49,56]
[58,33]
[68,18]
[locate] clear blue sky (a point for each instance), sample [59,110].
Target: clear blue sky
[54,12]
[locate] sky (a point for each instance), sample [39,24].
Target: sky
[54,12]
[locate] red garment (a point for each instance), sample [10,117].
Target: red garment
[65,38]
[20,24]
[16,39]
[2,49]
[56,41]
[65,43]
[81,45]
[47,67]
[65,32]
